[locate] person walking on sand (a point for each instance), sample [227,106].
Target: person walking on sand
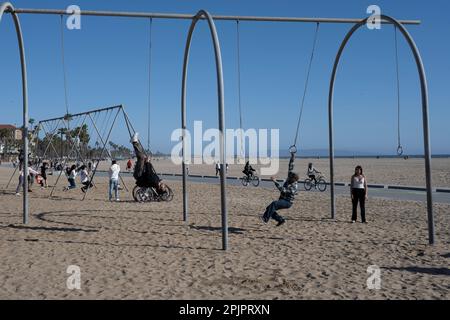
[31,173]
[129,165]
[44,168]
[114,171]
[287,195]
[358,192]
[217,168]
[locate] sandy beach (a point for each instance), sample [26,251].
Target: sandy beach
[129,250]
[395,171]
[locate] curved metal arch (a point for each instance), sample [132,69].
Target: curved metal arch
[8,7]
[218,57]
[424,93]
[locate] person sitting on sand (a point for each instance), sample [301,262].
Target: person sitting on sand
[144,172]
[248,170]
[358,192]
[312,172]
[287,195]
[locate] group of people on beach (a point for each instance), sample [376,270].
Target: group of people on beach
[145,175]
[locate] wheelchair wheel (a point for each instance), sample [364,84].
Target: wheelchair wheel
[308,184]
[321,185]
[167,195]
[141,195]
[135,190]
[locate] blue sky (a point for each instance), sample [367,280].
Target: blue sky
[107,64]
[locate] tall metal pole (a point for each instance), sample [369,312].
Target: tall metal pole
[221,118]
[9,7]
[426,133]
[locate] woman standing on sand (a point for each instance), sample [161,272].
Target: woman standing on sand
[358,192]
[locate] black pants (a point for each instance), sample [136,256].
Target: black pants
[359,195]
[86,185]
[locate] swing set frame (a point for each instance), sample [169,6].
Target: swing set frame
[204,15]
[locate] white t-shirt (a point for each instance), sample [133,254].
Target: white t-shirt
[30,171]
[114,172]
[84,176]
[358,182]
[72,174]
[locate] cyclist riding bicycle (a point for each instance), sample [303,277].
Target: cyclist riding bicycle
[248,170]
[311,173]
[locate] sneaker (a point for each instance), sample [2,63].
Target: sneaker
[263,219]
[364,222]
[117,200]
[135,137]
[281,222]
[17,194]
[353,221]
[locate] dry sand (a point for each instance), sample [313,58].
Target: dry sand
[129,250]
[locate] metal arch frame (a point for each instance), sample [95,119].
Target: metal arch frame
[220,88]
[424,94]
[9,7]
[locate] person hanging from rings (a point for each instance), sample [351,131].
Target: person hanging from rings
[288,191]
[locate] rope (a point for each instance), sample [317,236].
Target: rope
[239,86]
[306,85]
[66,100]
[149,81]
[399,145]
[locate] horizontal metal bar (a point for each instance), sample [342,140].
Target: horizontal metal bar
[190,16]
[81,113]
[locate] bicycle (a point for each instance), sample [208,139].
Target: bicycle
[319,183]
[253,179]
[149,194]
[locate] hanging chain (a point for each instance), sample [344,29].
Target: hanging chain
[399,145]
[149,82]
[293,148]
[66,99]
[238,41]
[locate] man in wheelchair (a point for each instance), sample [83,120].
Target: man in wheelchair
[144,172]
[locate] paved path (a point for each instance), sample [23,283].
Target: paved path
[438,197]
